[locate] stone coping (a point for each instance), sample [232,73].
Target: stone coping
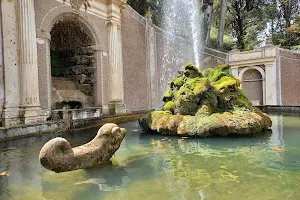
[279,108]
[56,127]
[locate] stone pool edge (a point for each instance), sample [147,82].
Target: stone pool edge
[279,108]
[56,127]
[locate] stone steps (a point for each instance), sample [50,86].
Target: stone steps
[82,60]
[63,84]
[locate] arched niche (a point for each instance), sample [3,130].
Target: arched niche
[253,84]
[85,28]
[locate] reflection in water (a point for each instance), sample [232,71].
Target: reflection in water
[109,178]
[277,129]
[159,167]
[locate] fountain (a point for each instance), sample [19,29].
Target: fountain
[183,19]
[205,103]
[198,103]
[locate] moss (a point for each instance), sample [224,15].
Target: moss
[198,85]
[215,74]
[169,106]
[168,95]
[145,119]
[208,72]
[185,101]
[160,120]
[184,107]
[223,67]
[204,111]
[225,83]
[191,71]
[241,100]
[207,103]
[177,82]
[158,113]
[201,126]
[184,93]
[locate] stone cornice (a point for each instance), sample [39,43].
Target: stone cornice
[116,2]
[106,9]
[265,61]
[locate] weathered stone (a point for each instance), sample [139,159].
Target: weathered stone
[58,155]
[205,103]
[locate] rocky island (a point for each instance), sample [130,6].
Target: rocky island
[205,103]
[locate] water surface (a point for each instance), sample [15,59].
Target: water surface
[265,167]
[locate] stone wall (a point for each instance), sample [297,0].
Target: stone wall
[213,58]
[134,61]
[289,62]
[152,57]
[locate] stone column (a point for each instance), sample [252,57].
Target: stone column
[11,105]
[116,68]
[1,67]
[28,63]
[98,82]
[270,85]
[44,69]
[235,72]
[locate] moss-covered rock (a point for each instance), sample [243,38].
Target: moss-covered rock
[205,103]
[191,71]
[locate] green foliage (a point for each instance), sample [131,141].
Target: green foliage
[246,21]
[228,42]
[143,7]
[291,38]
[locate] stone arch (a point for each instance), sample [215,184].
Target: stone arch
[62,11]
[253,84]
[100,44]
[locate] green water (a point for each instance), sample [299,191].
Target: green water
[264,167]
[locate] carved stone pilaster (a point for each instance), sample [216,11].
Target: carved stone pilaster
[116,66]
[28,63]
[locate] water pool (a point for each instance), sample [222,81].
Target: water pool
[264,167]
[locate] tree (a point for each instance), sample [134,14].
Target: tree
[222,24]
[284,14]
[143,6]
[291,37]
[208,12]
[247,21]
[288,10]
